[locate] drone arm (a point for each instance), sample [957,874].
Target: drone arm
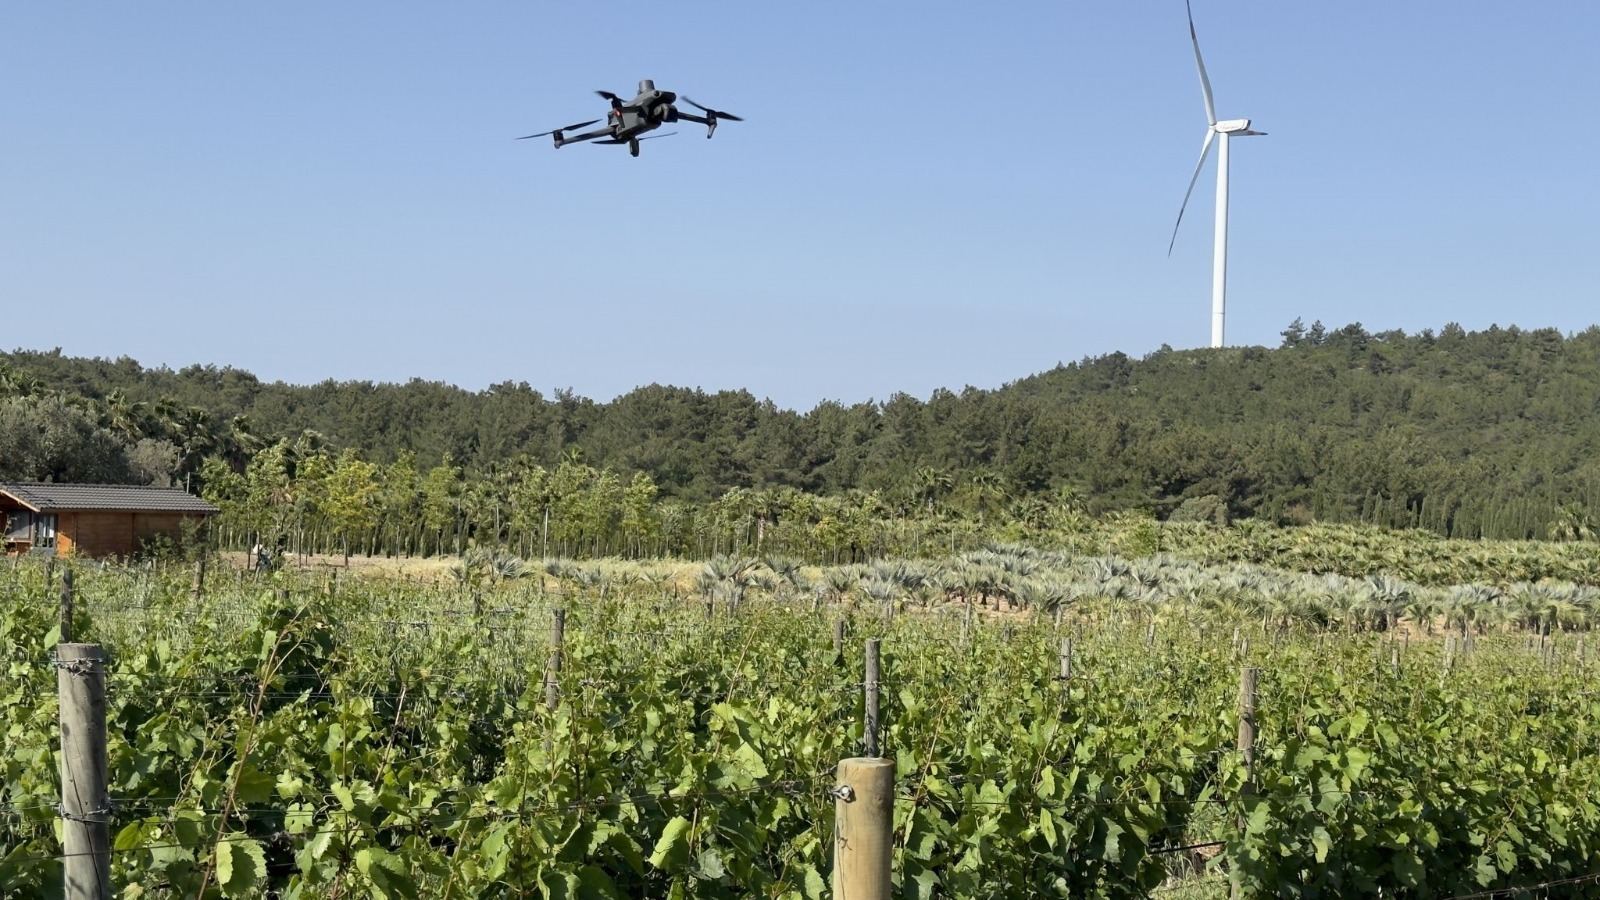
[586,136]
[709,121]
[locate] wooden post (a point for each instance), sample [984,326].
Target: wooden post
[199,577]
[1247,724]
[552,668]
[838,639]
[1150,634]
[1247,738]
[1066,659]
[66,606]
[85,801]
[863,829]
[869,718]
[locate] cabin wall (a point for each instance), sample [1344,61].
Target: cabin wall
[93,533]
[148,525]
[66,528]
[96,533]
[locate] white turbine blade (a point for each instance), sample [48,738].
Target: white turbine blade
[1204,150]
[1205,83]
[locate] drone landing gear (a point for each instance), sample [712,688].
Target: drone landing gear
[633,147]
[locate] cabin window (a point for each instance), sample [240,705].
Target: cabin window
[19,526]
[44,531]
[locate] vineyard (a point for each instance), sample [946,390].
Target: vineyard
[1062,725]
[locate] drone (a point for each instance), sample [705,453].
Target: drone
[627,122]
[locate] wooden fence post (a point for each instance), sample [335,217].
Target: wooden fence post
[552,668]
[863,835]
[869,718]
[1247,737]
[838,639]
[1066,660]
[85,800]
[66,606]
[199,577]
[1247,724]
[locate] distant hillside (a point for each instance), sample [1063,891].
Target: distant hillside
[1490,433]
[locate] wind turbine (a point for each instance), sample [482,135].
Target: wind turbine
[1226,129]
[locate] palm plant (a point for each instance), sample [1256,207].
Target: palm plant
[1470,607]
[839,582]
[1424,607]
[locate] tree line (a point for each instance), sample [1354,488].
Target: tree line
[1468,434]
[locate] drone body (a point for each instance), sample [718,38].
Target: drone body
[628,122]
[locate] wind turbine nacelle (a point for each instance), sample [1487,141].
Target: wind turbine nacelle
[1233,126]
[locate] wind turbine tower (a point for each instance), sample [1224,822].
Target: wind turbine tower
[1222,132]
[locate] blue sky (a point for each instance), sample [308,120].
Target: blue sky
[923,195]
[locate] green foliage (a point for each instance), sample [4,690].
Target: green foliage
[1466,434]
[51,439]
[378,739]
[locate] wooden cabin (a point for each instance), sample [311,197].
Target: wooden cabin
[92,519]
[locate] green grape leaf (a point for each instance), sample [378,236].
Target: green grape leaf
[240,862]
[672,849]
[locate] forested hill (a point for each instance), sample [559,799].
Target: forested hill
[1468,433]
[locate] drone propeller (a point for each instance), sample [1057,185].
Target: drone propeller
[559,130]
[713,113]
[616,102]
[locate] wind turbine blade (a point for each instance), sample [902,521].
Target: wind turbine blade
[1205,149]
[1205,83]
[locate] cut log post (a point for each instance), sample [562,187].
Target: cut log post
[863,832]
[85,799]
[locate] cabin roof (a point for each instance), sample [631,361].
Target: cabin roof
[50,497]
